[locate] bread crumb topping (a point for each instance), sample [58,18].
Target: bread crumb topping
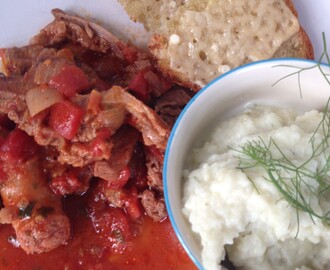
[174,39]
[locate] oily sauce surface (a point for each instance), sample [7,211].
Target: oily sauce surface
[154,247]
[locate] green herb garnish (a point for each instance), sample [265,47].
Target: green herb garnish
[26,210]
[296,183]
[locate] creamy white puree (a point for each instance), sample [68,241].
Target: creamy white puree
[254,224]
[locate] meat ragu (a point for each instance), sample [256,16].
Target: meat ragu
[85,115]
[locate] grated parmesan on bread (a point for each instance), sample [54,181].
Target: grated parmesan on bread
[194,41]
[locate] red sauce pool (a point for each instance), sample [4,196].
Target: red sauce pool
[155,247]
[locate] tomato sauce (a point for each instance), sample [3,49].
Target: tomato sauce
[154,247]
[108,227]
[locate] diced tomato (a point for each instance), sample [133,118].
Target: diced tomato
[18,146]
[121,180]
[130,53]
[65,118]
[100,146]
[70,81]
[65,184]
[113,227]
[139,85]
[72,181]
[126,198]
[120,223]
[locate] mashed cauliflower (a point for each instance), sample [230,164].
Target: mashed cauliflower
[242,213]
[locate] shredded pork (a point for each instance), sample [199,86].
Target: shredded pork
[127,109]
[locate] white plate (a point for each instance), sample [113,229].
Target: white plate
[21,19]
[314,18]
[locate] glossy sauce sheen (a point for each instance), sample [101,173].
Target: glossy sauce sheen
[155,247]
[113,225]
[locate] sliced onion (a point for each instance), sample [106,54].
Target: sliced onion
[40,98]
[3,68]
[49,68]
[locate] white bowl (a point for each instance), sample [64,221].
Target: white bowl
[265,82]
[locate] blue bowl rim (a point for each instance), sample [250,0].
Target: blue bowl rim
[177,123]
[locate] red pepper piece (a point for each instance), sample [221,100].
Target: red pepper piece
[139,85]
[121,180]
[70,81]
[18,146]
[65,119]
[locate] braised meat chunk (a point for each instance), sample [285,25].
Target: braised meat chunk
[29,204]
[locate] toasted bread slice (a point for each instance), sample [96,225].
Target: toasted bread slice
[195,41]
